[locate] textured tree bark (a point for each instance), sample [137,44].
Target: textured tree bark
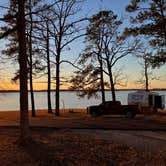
[31,63]
[57,85]
[146,75]
[49,73]
[102,82]
[57,112]
[112,86]
[111,82]
[24,121]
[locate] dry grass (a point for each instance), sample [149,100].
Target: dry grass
[78,118]
[11,118]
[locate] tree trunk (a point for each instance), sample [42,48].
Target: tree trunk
[112,86]
[58,72]
[31,91]
[146,75]
[102,82]
[31,63]
[24,121]
[57,84]
[49,73]
[102,88]
[111,82]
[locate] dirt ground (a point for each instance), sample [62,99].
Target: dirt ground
[76,138]
[51,147]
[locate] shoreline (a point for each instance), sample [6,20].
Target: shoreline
[68,90]
[45,110]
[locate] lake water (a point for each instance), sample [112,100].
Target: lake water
[68,99]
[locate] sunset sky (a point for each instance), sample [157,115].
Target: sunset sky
[130,64]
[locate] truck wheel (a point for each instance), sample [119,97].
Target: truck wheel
[129,114]
[94,114]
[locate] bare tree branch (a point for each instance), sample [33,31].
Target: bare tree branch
[65,61]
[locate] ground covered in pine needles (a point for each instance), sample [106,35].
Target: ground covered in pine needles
[65,147]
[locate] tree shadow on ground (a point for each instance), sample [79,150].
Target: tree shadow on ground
[41,153]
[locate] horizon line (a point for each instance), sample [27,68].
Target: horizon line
[43,90]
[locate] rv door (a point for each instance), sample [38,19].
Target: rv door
[159,102]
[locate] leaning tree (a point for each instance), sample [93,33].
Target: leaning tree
[105,46]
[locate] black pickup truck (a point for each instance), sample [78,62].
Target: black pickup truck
[111,107]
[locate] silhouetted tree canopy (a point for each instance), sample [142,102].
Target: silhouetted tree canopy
[150,21]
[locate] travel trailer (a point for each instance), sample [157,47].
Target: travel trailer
[147,100]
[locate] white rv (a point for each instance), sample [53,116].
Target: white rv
[146,100]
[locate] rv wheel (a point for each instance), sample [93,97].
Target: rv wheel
[129,114]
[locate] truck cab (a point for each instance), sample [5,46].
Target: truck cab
[113,107]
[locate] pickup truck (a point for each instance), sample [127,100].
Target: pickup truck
[111,107]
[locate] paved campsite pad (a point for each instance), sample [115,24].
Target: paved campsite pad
[147,141]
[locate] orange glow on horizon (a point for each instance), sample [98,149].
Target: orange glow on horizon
[36,86]
[43,86]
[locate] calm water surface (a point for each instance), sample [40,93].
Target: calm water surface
[68,99]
